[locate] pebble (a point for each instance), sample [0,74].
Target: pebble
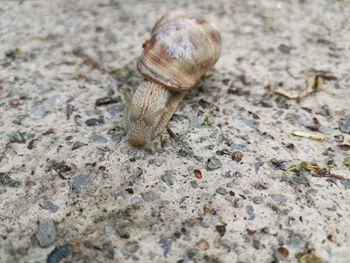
[17,137]
[221,190]
[241,122]
[168,177]
[344,124]
[284,48]
[136,153]
[221,229]
[279,198]
[296,241]
[194,184]
[213,164]
[48,205]
[132,246]
[59,253]
[96,138]
[257,200]
[256,243]
[95,121]
[114,110]
[77,145]
[122,225]
[117,136]
[10,54]
[165,243]
[46,234]
[346,182]
[269,231]
[8,181]
[80,182]
[38,112]
[258,165]
[277,114]
[158,161]
[231,174]
[228,244]
[250,211]
[197,121]
[148,196]
[326,130]
[18,119]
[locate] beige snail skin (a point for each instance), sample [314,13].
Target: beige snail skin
[181,49]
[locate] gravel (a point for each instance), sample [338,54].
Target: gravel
[46,233]
[213,164]
[80,182]
[344,124]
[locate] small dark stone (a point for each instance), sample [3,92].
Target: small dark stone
[230,174]
[346,182]
[279,198]
[269,231]
[95,121]
[257,200]
[168,177]
[185,151]
[223,152]
[148,196]
[221,229]
[129,190]
[250,211]
[80,182]
[194,184]
[221,190]
[46,234]
[8,181]
[117,136]
[258,165]
[213,164]
[296,241]
[115,109]
[344,124]
[284,48]
[77,145]
[165,244]
[59,253]
[96,138]
[256,244]
[132,246]
[177,234]
[60,167]
[48,205]
[17,137]
[279,164]
[106,101]
[12,54]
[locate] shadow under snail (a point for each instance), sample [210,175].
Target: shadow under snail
[181,49]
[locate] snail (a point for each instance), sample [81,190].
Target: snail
[181,49]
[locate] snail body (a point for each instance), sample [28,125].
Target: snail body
[181,49]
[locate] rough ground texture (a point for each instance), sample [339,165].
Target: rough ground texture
[71,189]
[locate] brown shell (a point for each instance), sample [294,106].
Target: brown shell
[181,49]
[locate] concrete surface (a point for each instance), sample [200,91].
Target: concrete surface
[71,188]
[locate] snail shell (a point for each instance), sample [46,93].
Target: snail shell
[181,49]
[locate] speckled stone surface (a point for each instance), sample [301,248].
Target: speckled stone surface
[72,189]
